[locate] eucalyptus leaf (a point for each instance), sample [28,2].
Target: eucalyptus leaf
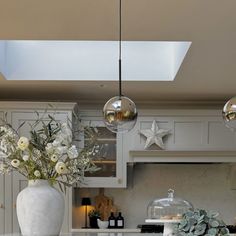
[201,222]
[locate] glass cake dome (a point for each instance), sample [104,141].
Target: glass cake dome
[169,208]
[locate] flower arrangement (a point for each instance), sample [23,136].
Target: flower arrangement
[48,154]
[200,222]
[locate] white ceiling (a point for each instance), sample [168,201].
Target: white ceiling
[208,72]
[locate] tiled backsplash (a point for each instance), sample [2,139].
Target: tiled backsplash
[204,185]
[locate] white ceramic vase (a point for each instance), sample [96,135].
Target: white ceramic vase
[40,209]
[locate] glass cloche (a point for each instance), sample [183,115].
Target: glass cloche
[169,208]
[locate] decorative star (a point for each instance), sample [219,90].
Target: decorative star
[154,135]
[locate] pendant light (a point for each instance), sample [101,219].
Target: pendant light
[120,113]
[229,114]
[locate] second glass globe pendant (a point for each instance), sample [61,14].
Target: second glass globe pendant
[120,113]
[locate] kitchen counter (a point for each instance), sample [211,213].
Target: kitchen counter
[98,234]
[90,230]
[92,234]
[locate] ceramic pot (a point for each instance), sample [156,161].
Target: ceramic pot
[40,209]
[102,224]
[93,222]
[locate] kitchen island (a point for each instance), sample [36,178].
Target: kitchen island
[96,234]
[91,234]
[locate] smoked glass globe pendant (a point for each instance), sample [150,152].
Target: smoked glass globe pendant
[229,114]
[120,113]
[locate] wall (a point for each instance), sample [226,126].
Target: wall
[204,185]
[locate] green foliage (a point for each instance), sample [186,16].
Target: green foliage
[200,222]
[94,213]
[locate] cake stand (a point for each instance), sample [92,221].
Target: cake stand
[169,225]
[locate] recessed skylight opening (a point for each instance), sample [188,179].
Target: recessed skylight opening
[91,60]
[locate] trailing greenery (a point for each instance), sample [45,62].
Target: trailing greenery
[200,222]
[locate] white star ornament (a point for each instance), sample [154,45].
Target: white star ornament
[154,135]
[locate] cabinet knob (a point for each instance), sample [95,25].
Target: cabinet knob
[14,205]
[1,205]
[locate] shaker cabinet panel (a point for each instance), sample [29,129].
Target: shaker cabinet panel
[2,196]
[220,136]
[2,205]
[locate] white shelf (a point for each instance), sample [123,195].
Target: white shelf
[90,230]
[155,221]
[163,156]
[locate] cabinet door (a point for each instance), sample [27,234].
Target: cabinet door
[109,159]
[2,205]
[18,181]
[2,197]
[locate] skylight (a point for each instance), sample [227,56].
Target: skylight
[91,60]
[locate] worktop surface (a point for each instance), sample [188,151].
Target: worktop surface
[91,234]
[98,234]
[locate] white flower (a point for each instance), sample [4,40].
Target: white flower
[49,148]
[61,168]
[64,136]
[72,152]
[15,163]
[54,158]
[37,173]
[25,157]
[36,153]
[57,142]
[23,143]
[60,150]
[3,129]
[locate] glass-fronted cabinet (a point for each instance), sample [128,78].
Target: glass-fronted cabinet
[107,157]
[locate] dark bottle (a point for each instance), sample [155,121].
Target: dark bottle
[112,221]
[120,221]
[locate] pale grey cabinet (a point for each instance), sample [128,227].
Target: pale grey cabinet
[12,184]
[2,197]
[18,181]
[2,206]
[112,173]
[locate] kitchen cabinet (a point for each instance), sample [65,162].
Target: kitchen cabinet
[2,195]
[2,206]
[109,158]
[196,136]
[19,182]
[11,185]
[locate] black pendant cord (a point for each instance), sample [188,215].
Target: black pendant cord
[120,86]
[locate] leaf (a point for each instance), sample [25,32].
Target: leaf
[59,184]
[20,125]
[214,223]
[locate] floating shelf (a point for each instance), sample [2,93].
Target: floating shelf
[162,156]
[105,162]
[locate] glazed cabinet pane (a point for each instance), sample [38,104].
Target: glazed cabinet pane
[107,156]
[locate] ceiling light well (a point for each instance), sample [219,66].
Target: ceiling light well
[91,60]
